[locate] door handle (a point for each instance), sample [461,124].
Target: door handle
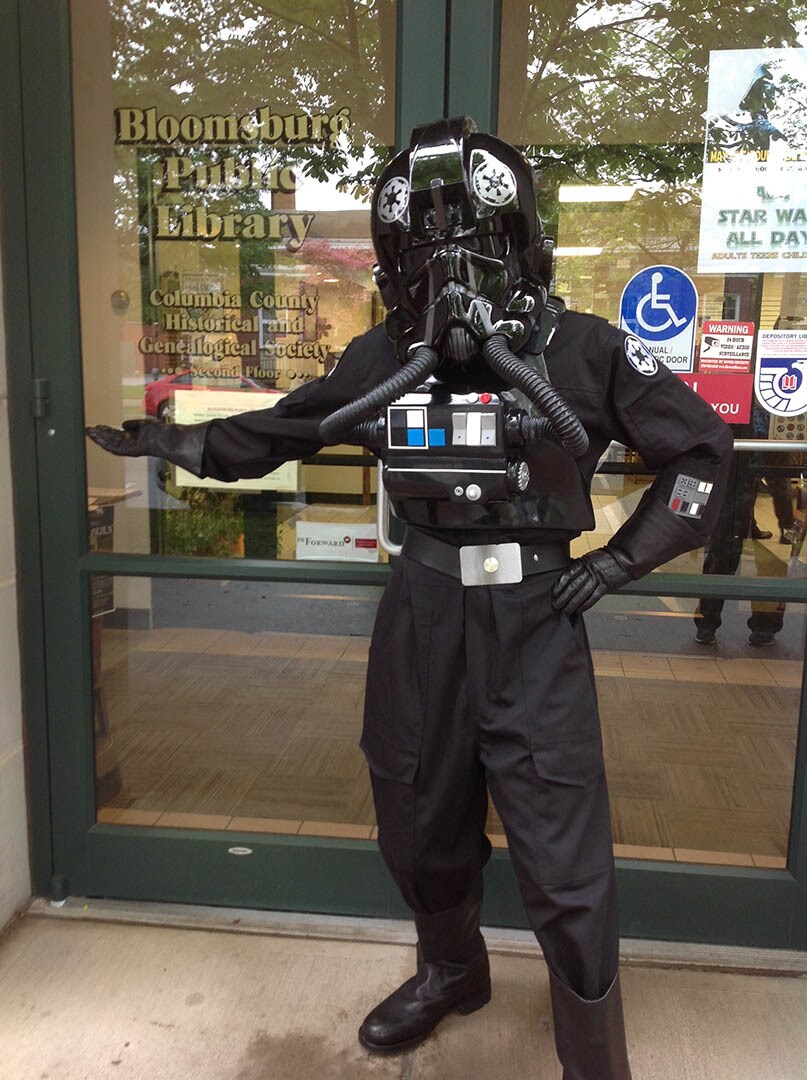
[382,516]
[40,398]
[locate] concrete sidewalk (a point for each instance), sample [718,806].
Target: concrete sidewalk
[85,1000]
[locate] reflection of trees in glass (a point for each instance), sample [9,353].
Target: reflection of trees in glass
[654,226]
[652,223]
[350,262]
[791,111]
[227,57]
[606,72]
[616,92]
[233,55]
[209,524]
[675,168]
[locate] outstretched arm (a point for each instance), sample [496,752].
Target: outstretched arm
[252,444]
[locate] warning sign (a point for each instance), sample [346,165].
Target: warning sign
[726,346]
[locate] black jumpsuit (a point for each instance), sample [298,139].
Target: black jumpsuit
[470,688]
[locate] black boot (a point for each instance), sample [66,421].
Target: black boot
[759,534]
[590,1035]
[452,975]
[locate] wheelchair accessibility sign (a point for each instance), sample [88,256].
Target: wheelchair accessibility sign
[659,306]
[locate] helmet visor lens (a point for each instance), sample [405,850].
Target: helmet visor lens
[413,260]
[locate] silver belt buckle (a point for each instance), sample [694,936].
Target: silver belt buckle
[491,564]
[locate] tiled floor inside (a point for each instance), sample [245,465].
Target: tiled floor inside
[700,752]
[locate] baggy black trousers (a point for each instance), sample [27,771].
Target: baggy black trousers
[470,688]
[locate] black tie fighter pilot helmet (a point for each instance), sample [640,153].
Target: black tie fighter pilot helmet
[461,250]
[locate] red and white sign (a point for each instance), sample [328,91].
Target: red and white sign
[728,394]
[343,542]
[726,346]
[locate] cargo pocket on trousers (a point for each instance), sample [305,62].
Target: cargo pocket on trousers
[574,763]
[397,685]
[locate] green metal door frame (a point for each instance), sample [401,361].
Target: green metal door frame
[422,60]
[473,71]
[26,503]
[73,853]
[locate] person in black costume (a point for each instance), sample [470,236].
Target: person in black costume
[490,405]
[722,556]
[735,523]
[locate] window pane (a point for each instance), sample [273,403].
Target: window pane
[700,741]
[612,103]
[224,155]
[237,705]
[233,705]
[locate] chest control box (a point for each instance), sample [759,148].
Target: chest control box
[452,446]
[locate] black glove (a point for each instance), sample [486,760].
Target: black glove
[182,444]
[587,580]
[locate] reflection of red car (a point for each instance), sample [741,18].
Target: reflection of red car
[160,393]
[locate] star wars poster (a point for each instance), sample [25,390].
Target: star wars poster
[754,197]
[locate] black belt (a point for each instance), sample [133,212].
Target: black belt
[485,564]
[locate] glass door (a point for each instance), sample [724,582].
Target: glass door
[647,149]
[209,641]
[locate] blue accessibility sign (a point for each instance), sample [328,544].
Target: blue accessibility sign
[659,306]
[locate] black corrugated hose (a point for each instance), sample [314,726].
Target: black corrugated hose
[568,429]
[369,433]
[536,428]
[333,428]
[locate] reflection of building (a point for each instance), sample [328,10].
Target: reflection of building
[612,234]
[245,264]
